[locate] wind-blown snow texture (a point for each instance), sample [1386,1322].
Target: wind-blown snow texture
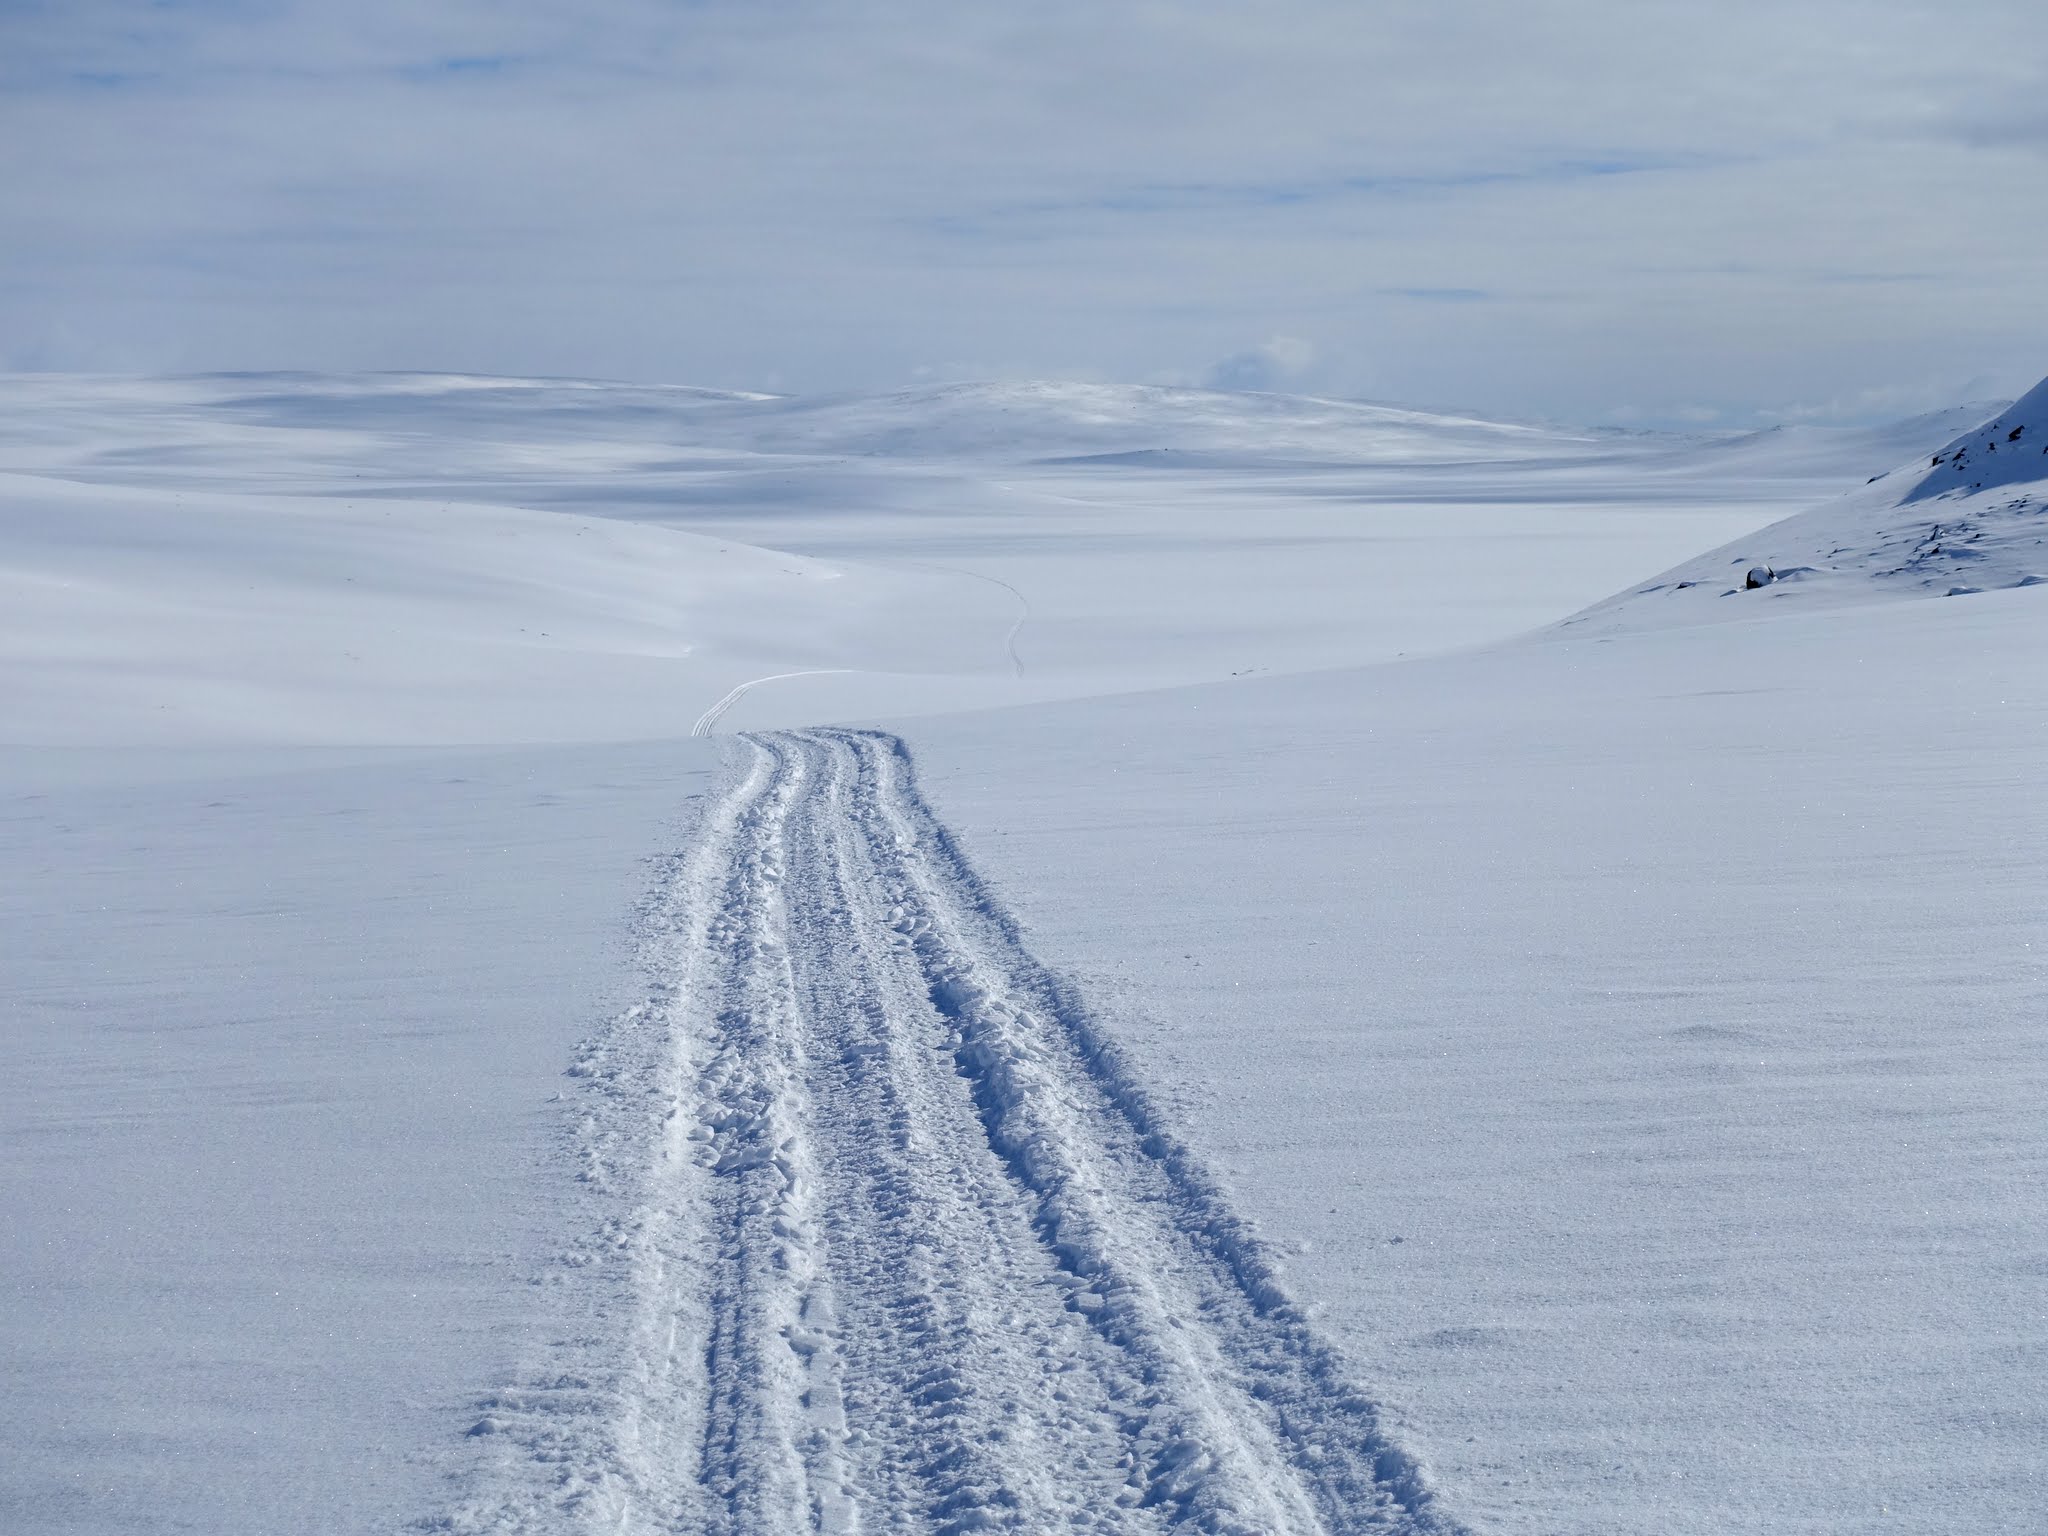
[1641,1039]
[1628,1037]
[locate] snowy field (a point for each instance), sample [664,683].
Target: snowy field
[1337,999]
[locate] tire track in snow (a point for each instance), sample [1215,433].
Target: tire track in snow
[905,1248]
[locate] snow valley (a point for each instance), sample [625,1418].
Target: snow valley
[1040,957]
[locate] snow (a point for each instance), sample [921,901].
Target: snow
[282,1029]
[1643,1036]
[1973,517]
[205,617]
[1393,1045]
[557,424]
[904,1186]
[438,560]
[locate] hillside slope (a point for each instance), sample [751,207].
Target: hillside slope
[131,616]
[1972,518]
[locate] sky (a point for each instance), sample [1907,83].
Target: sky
[1588,211]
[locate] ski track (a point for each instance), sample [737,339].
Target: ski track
[893,1241]
[707,723]
[1016,625]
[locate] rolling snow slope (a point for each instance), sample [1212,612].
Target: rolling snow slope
[1629,1041]
[439,558]
[203,618]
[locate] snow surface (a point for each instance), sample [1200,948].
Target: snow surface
[1580,1082]
[198,618]
[1972,518]
[281,1030]
[1640,1039]
[441,559]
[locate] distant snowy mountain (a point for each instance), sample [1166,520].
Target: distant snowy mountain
[1026,421]
[1972,517]
[461,424]
[1802,448]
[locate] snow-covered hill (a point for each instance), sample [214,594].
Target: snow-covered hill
[1587,1085]
[1023,421]
[1850,454]
[293,429]
[1971,517]
[131,616]
[2009,449]
[1041,540]
[309,431]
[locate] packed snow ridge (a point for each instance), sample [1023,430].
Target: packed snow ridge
[1971,518]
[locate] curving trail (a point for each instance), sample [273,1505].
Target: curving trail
[1016,625]
[896,1244]
[707,723]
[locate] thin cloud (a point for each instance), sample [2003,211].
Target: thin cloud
[1531,209]
[1272,364]
[1440,295]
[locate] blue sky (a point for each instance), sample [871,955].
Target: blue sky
[1590,210]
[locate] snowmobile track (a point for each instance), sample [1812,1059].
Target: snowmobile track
[896,1244]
